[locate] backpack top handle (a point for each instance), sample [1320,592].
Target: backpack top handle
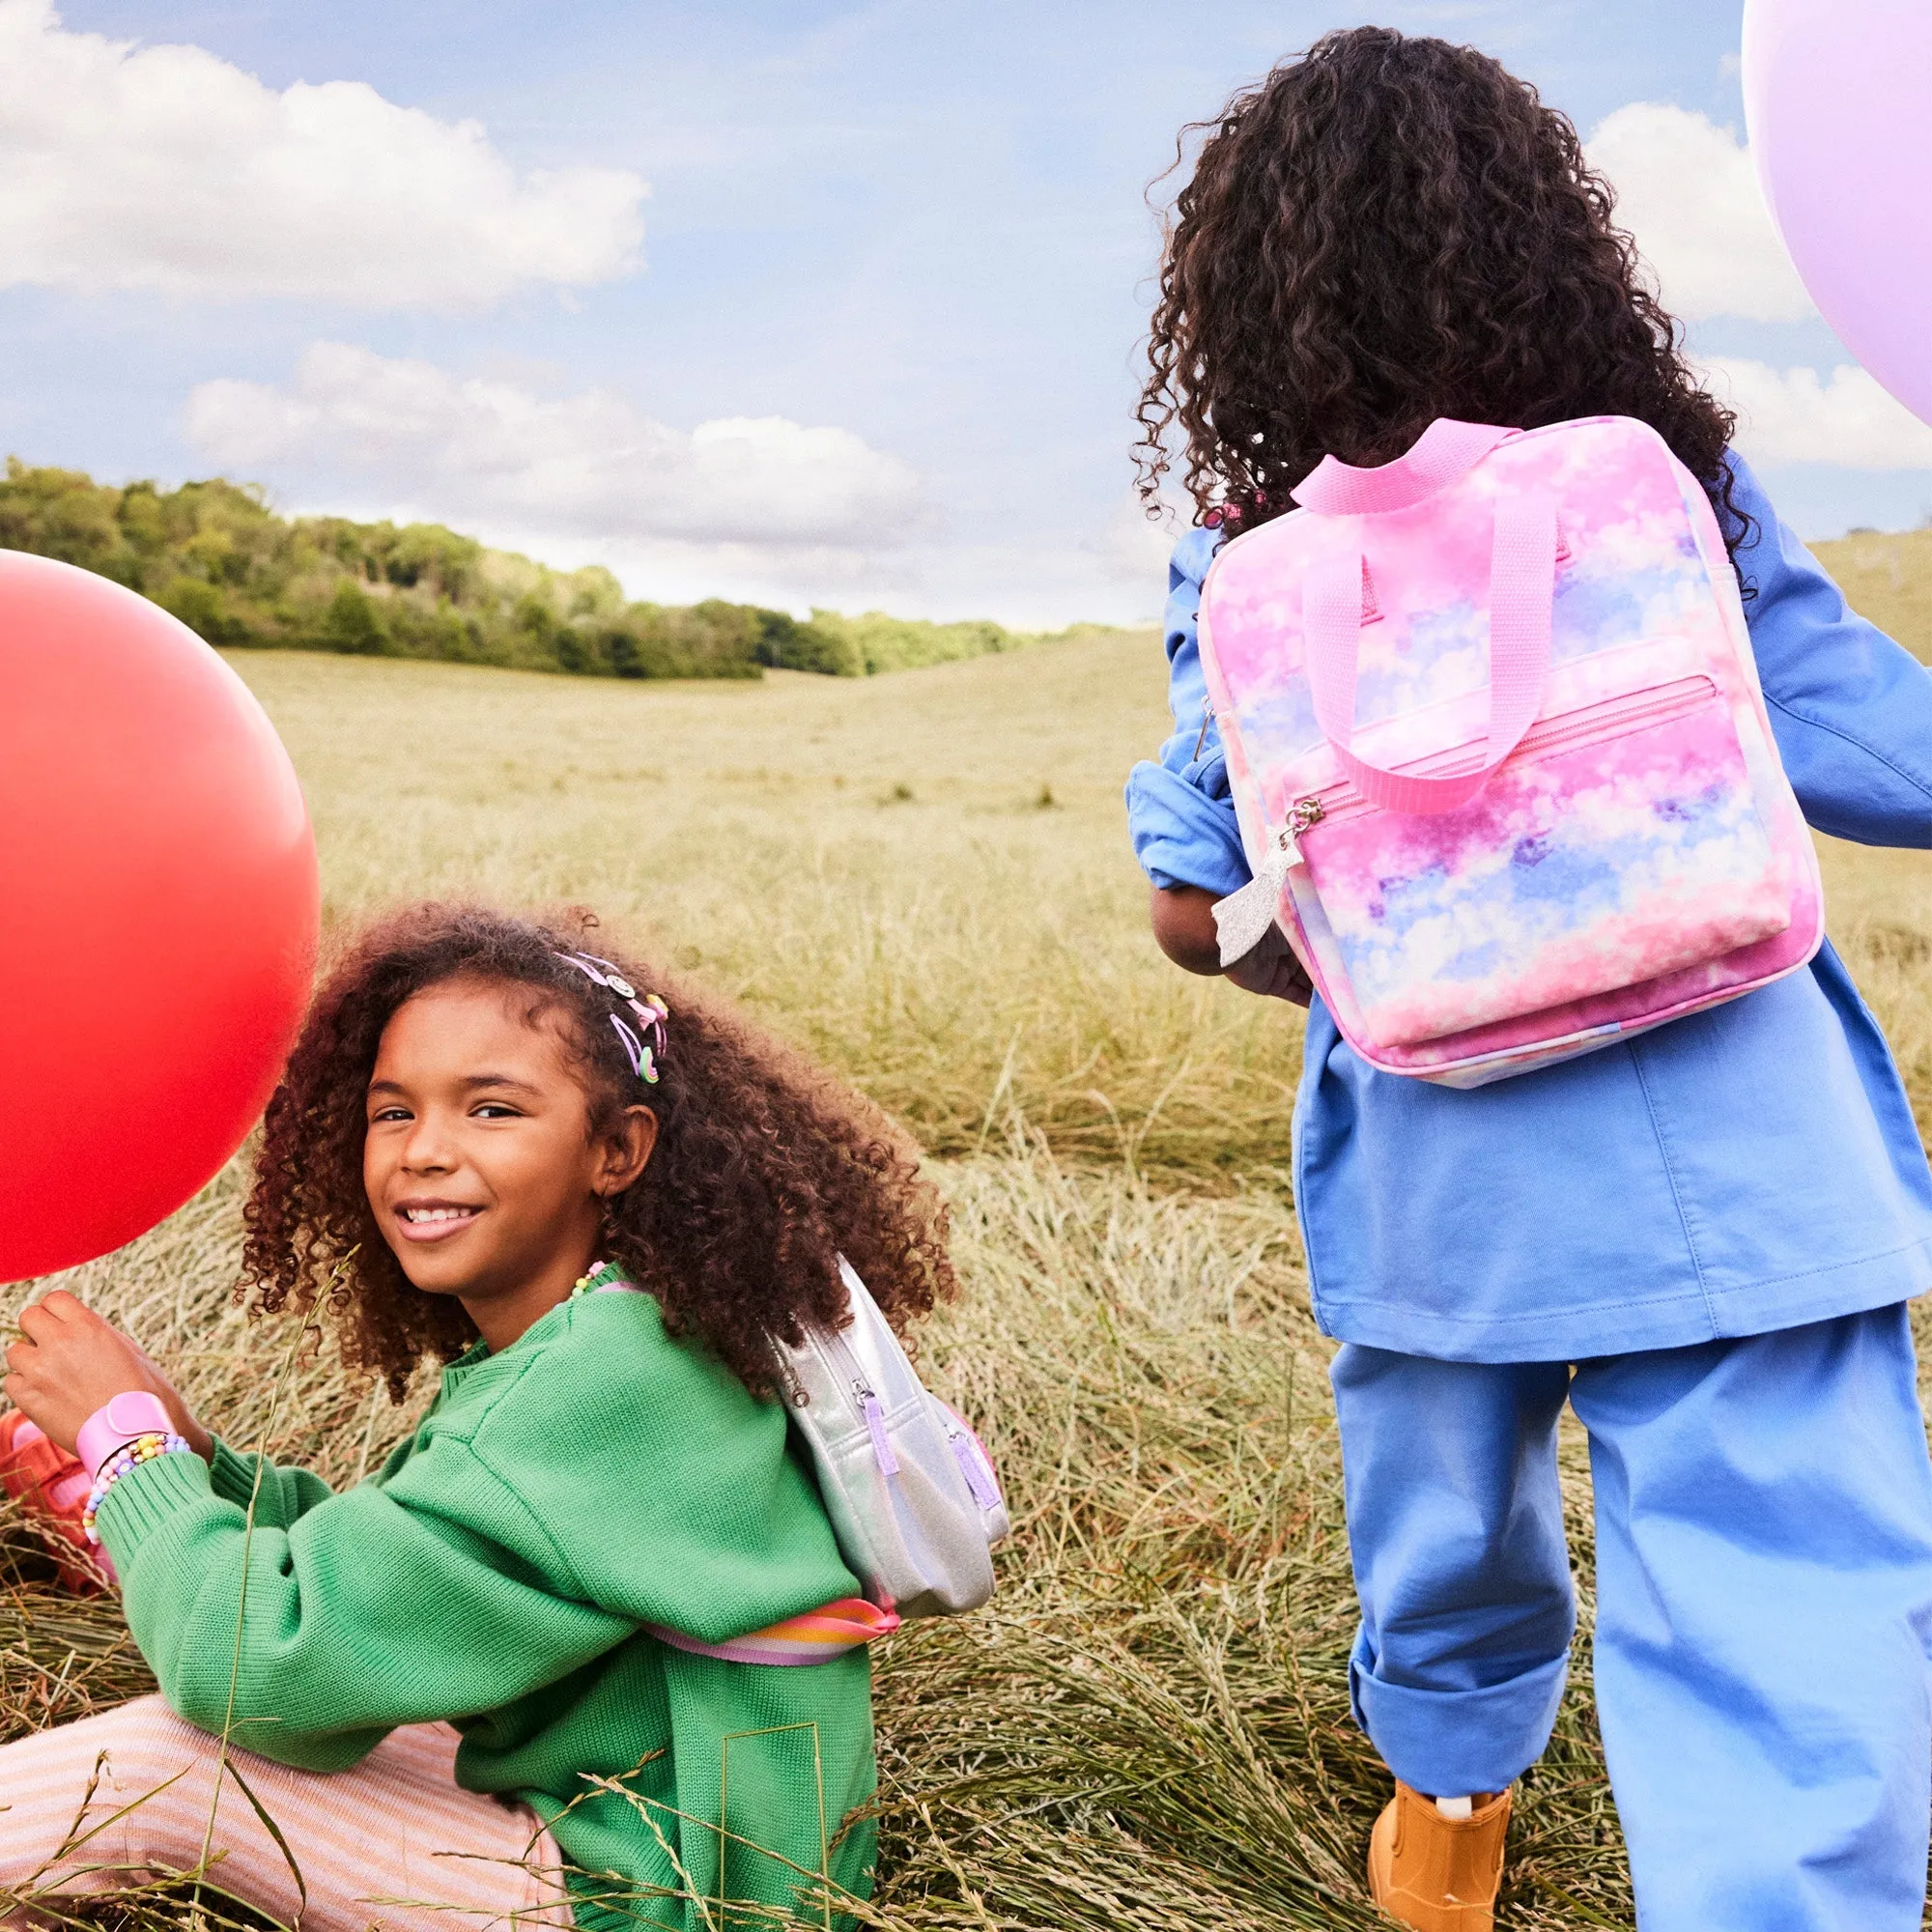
[1522,587]
[1445,452]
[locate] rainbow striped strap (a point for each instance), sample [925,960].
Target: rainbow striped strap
[815,1637]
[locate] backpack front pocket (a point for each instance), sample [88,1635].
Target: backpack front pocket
[1619,842]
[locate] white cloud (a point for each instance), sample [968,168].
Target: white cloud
[759,510]
[1113,571]
[1687,191]
[1790,415]
[484,452]
[166,168]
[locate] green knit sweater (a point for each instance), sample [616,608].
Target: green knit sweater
[595,1476]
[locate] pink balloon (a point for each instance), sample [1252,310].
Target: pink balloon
[1837,99]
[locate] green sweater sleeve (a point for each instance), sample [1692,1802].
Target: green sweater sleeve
[284,1493]
[433,1596]
[595,1477]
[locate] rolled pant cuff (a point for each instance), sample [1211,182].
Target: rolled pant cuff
[1449,1743]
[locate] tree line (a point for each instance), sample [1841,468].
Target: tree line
[215,556]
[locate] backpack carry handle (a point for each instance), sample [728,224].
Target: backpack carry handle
[1446,451]
[1522,587]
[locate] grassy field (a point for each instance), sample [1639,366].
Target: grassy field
[1887,575]
[926,880]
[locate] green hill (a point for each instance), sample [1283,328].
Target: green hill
[230,568]
[215,556]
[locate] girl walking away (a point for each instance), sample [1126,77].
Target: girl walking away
[1701,1235]
[513,1665]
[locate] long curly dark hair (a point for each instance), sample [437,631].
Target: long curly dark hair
[765,1172]
[1385,231]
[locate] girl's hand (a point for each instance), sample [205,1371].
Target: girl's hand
[1184,928]
[69,1362]
[1271,969]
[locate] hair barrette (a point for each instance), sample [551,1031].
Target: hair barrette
[642,1044]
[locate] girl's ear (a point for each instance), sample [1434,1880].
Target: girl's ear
[626,1149]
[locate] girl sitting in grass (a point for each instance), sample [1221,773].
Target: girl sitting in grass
[503,1662]
[1702,1239]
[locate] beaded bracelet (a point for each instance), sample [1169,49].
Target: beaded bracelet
[129,1456]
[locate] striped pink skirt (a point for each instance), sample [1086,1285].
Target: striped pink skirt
[133,1796]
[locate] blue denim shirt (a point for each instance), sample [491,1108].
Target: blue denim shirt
[1745,1169]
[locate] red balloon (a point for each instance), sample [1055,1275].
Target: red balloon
[157,875]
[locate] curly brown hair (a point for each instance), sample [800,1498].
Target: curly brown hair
[1385,231]
[765,1172]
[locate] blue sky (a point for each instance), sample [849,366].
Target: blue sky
[897,258]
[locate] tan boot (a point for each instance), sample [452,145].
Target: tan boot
[1437,1874]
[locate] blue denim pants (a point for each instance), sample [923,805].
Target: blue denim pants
[1764,1606]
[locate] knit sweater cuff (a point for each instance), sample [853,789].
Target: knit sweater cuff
[231,1476]
[147,1497]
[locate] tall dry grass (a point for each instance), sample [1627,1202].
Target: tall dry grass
[925,879]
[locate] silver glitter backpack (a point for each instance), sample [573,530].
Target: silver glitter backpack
[914,1499]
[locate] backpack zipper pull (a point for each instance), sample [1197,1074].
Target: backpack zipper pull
[985,1495]
[1206,718]
[875,1428]
[1242,919]
[1301,814]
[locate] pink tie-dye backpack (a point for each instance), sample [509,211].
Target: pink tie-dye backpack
[1501,762]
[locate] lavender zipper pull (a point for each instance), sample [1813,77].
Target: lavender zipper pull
[985,1495]
[875,1428]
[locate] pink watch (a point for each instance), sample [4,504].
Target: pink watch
[118,1421]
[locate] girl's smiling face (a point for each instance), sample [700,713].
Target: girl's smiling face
[479,1160]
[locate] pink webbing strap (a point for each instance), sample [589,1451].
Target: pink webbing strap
[1522,578]
[1444,451]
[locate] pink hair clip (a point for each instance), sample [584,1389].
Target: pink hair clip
[649,1038]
